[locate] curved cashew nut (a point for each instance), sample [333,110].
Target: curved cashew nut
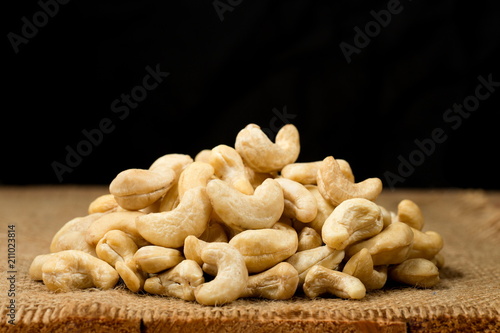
[351,221]
[321,280]
[306,172]
[278,282]
[35,270]
[229,167]
[203,156]
[241,211]
[124,221]
[417,272]
[309,239]
[169,229]
[300,204]
[72,235]
[154,259]
[196,174]
[360,265]
[410,213]
[103,204]
[73,269]
[193,247]
[265,248]
[391,246]
[425,244]
[180,281]
[174,162]
[231,279]
[135,189]
[335,187]
[261,154]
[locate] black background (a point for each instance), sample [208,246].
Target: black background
[224,74]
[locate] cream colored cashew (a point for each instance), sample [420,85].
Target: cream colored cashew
[203,156]
[352,221]
[228,166]
[231,279]
[170,200]
[72,235]
[193,247]
[180,281]
[278,282]
[425,244]
[135,189]
[307,172]
[321,280]
[35,270]
[322,256]
[103,204]
[391,246]
[174,162]
[438,260]
[416,272]
[169,229]
[360,265]
[265,248]
[300,204]
[154,259]
[241,211]
[73,269]
[261,154]
[325,208]
[195,175]
[214,233]
[410,213]
[309,239]
[336,188]
[124,221]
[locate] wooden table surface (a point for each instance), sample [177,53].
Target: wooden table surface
[466,299]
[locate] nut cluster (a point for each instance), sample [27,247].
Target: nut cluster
[247,221]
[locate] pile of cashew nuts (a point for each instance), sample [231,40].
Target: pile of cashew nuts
[247,221]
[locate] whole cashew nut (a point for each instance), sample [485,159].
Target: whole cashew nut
[320,280]
[196,174]
[306,172]
[336,188]
[278,282]
[124,221]
[410,213]
[300,204]
[425,244]
[103,204]
[154,259]
[325,208]
[231,279]
[174,162]
[169,229]
[416,272]
[73,269]
[228,166]
[309,239]
[259,153]
[360,265]
[35,270]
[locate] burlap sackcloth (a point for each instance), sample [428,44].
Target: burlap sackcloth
[466,299]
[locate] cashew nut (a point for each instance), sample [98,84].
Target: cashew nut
[265,248]
[300,204]
[438,260]
[174,162]
[325,208]
[180,281]
[124,221]
[320,280]
[154,259]
[231,279]
[336,188]
[309,239]
[35,270]
[425,244]
[228,166]
[170,200]
[103,204]
[259,153]
[360,265]
[214,233]
[391,246]
[196,174]
[203,156]
[242,211]
[169,229]
[416,272]
[193,247]
[410,213]
[73,269]
[135,189]
[278,282]
[351,221]
[306,172]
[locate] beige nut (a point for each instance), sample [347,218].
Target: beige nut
[203,156]
[321,280]
[174,162]
[196,174]
[134,189]
[391,246]
[231,279]
[361,266]
[169,229]
[300,204]
[425,244]
[193,247]
[309,239]
[228,166]
[278,282]
[103,204]
[265,248]
[72,235]
[325,208]
[180,281]
[322,256]
[242,211]
[438,260]
[124,221]
[410,213]
[306,172]
[336,188]
[416,272]
[73,269]
[154,259]
[261,154]
[35,270]
[352,221]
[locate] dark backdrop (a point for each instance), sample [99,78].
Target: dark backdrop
[390,107]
